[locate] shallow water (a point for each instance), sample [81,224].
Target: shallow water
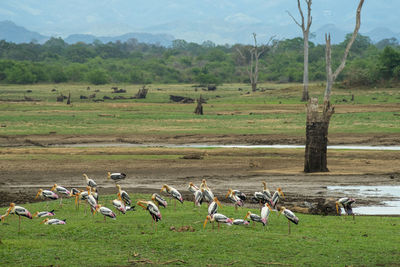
[350,147]
[389,207]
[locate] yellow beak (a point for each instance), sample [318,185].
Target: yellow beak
[205,222]
[37,195]
[337,207]
[109,175]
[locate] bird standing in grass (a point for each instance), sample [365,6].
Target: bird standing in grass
[46,194]
[160,201]
[255,218]
[61,191]
[194,189]
[276,197]
[124,196]
[198,198]
[106,212]
[219,218]
[231,195]
[207,193]
[152,209]
[289,215]
[173,193]
[116,176]
[266,190]
[213,207]
[89,182]
[18,210]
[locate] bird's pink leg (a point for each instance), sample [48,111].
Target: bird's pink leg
[289,226]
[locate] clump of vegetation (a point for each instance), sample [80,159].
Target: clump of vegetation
[138,63]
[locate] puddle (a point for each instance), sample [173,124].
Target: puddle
[389,197]
[350,147]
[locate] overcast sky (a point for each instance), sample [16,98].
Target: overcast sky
[187,18]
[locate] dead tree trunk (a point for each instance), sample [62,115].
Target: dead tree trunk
[306,33]
[317,136]
[69,99]
[318,122]
[199,108]
[252,68]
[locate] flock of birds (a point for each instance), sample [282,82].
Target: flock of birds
[123,203]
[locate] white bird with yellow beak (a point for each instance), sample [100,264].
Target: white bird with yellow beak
[266,190]
[89,182]
[106,212]
[116,176]
[255,218]
[275,198]
[18,210]
[124,196]
[219,218]
[213,207]
[172,192]
[46,194]
[231,195]
[160,201]
[207,193]
[61,191]
[289,215]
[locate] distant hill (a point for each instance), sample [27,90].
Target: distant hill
[11,32]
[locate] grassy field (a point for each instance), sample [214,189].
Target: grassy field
[88,241]
[275,109]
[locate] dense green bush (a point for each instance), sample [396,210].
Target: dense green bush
[183,62]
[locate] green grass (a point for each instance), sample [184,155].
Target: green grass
[87,241]
[276,110]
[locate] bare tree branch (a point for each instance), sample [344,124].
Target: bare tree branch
[353,38]
[295,21]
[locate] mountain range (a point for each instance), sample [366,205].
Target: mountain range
[226,33]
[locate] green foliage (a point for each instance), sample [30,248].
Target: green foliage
[97,77]
[183,62]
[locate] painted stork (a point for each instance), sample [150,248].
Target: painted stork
[240,222]
[240,195]
[207,193]
[213,207]
[265,211]
[18,210]
[53,221]
[61,191]
[192,188]
[105,212]
[119,205]
[260,197]
[159,200]
[124,196]
[276,197]
[116,176]
[43,214]
[346,203]
[153,211]
[89,182]
[289,215]
[46,194]
[255,218]
[231,195]
[91,201]
[219,218]
[266,190]
[173,193]
[198,198]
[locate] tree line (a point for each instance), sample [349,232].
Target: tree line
[184,62]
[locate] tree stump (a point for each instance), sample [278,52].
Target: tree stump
[199,108]
[317,136]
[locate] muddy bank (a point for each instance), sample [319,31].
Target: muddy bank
[24,170]
[55,139]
